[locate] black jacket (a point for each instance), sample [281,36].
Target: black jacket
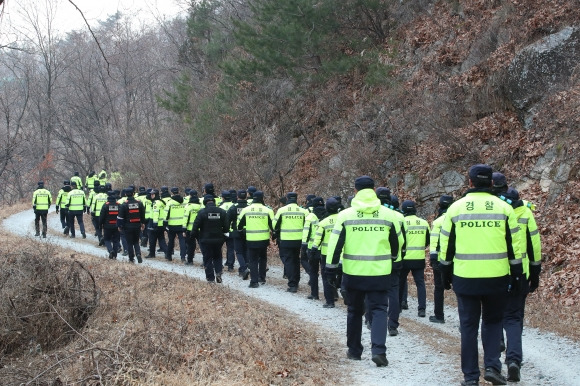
[210,225]
[233,213]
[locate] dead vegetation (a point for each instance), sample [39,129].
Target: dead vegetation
[70,318]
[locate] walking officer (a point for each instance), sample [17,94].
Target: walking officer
[481,257]
[239,241]
[173,221]
[255,224]
[131,220]
[108,221]
[191,210]
[61,207]
[41,202]
[366,236]
[76,203]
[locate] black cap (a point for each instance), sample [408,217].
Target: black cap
[175,190]
[154,191]
[96,183]
[76,173]
[332,205]
[66,182]
[480,175]
[193,193]
[111,194]
[207,198]
[40,183]
[512,194]
[445,200]
[66,188]
[292,196]
[258,196]
[364,182]
[394,201]
[383,194]
[252,190]
[187,190]
[309,198]
[408,207]
[73,183]
[317,201]
[226,194]
[165,189]
[129,191]
[499,180]
[142,190]
[242,194]
[208,188]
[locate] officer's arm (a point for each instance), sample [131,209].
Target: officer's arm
[394,241]
[241,221]
[335,245]
[534,242]
[427,236]
[196,224]
[447,241]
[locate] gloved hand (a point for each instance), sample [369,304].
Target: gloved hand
[534,279]
[433,259]
[446,275]
[57,210]
[516,277]
[331,276]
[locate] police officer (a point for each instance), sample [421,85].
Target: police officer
[90,180]
[76,203]
[251,190]
[434,249]
[366,236]
[173,221]
[255,224]
[153,224]
[108,221]
[98,201]
[319,251]
[318,212]
[384,195]
[288,226]
[77,180]
[513,319]
[131,219]
[481,257]
[61,207]
[41,202]
[211,228]
[90,202]
[417,240]
[226,204]
[239,241]
[191,211]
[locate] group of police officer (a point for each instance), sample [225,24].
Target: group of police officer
[486,245]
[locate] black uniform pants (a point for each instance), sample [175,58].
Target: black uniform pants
[190,243]
[258,260]
[230,253]
[315,267]
[112,238]
[240,248]
[291,259]
[172,233]
[63,217]
[38,216]
[513,324]
[158,236]
[212,260]
[71,221]
[377,303]
[132,237]
[438,292]
[490,309]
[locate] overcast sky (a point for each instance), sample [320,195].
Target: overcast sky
[68,18]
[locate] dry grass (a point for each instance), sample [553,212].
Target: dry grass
[150,327]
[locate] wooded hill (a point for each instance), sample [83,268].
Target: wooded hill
[306,95]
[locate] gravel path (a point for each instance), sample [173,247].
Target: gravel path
[418,355]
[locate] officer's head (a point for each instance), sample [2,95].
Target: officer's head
[193,197]
[309,198]
[101,189]
[67,188]
[480,176]
[187,191]
[317,202]
[97,183]
[209,189]
[111,195]
[242,194]
[142,190]
[445,201]
[499,183]
[76,173]
[258,196]
[66,182]
[395,201]
[208,198]
[175,190]
[291,197]
[154,193]
[332,205]
[364,182]
[226,195]
[40,184]
[383,194]
[251,191]
[233,195]
[73,185]
[108,186]
[409,207]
